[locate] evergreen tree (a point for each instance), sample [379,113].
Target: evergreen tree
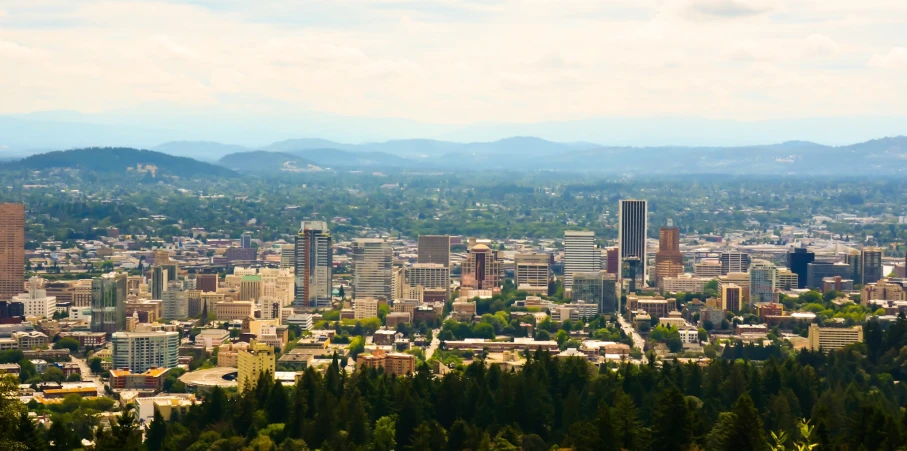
[746,430]
[157,432]
[671,421]
[385,432]
[429,435]
[277,405]
[27,434]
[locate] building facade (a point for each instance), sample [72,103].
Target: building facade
[763,281]
[531,272]
[733,261]
[833,338]
[668,259]
[253,363]
[598,288]
[373,260]
[798,261]
[140,351]
[434,249]
[36,301]
[12,250]
[314,265]
[108,303]
[482,269]
[633,225]
[580,255]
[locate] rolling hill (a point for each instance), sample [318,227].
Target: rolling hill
[120,161]
[263,162]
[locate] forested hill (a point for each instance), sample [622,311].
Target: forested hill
[121,160]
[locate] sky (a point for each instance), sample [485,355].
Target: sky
[433,68]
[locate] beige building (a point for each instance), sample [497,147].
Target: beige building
[254,362]
[882,290]
[833,338]
[393,363]
[531,272]
[250,288]
[731,297]
[365,308]
[373,260]
[428,275]
[684,282]
[228,311]
[228,354]
[741,279]
[708,268]
[482,269]
[787,279]
[653,305]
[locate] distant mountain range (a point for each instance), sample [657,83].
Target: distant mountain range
[880,156]
[886,156]
[120,161]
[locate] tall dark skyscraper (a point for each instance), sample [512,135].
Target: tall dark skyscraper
[12,250]
[245,241]
[634,223]
[871,264]
[434,249]
[798,262]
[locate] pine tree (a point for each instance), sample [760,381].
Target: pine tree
[746,430]
[671,422]
[61,437]
[27,434]
[157,432]
[277,405]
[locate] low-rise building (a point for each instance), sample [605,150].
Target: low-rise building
[518,344]
[31,340]
[395,318]
[398,364]
[656,306]
[87,339]
[152,379]
[833,338]
[234,310]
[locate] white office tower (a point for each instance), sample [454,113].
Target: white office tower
[373,260]
[580,255]
[634,222]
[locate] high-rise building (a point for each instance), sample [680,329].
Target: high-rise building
[429,276]
[482,269]
[287,256]
[599,288]
[871,265]
[612,260]
[36,301]
[854,261]
[175,303]
[253,363]
[817,271]
[798,261]
[668,259]
[731,297]
[580,255]
[159,279]
[12,250]
[733,261]
[245,241]
[434,249]
[787,279]
[250,287]
[141,351]
[108,303]
[633,223]
[314,264]
[206,283]
[373,261]
[763,281]
[530,273]
[161,257]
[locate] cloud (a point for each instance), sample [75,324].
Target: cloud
[3,14]
[14,50]
[896,58]
[704,9]
[819,46]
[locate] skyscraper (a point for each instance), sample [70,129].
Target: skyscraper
[598,288]
[108,303]
[733,261]
[159,279]
[631,239]
[245,241]
[613,260]
[530,272]
[798,261]
[668,259]
[434,249]
[373,260]
[871,265]
[12,250]
[580,255]
[175,303]
[763,281]
[314,264]
[206,283]
[482,269]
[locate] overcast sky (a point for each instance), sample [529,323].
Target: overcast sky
[459,61]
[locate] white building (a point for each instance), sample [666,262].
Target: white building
[36,301]
[140,351]
[580,255]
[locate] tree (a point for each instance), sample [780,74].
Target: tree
[95,365]
[385,431]
[123,435]
[429,435]
[341,292]
[277,406]
[746,428]
[27,433]
[61,436]
[67,343]
[671,421]
[157,432]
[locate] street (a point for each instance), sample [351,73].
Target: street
[631,332]
[87,376]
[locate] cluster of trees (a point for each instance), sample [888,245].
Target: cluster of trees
[852,399]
